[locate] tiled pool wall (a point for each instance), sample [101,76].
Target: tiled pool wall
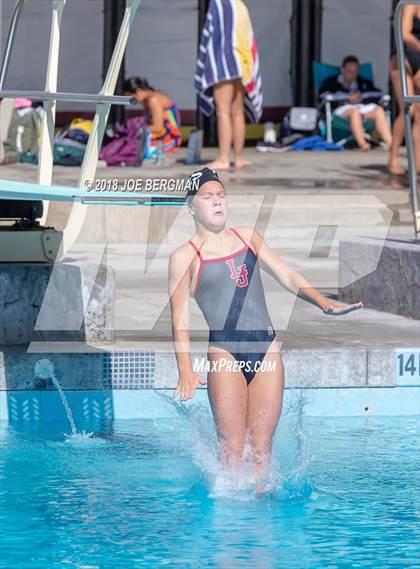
[91,407]
[139,384]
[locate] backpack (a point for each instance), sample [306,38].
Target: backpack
[80,129]
[303,120]
[22,135]
[128,146]
[68,152]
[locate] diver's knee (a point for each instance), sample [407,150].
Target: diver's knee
[261,442]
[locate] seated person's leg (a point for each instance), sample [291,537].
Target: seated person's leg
[356,124]
[381,124]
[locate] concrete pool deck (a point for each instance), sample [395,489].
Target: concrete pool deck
[355,350]
[351,173]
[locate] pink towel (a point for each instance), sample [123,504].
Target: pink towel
[22,103]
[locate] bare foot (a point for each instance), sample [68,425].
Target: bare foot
[396,168]
[241,163]
[365,147]
[262,490]
[218,165]
[385,145]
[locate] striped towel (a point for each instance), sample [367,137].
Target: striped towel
[228,50]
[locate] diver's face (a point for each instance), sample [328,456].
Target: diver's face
[209,205]
[350,71]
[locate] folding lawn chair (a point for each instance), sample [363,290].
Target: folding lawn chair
[336,128]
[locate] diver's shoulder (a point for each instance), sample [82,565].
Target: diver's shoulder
[183,253]
[246,231]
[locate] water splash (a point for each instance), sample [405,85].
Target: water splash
[286,476]
[84,438]
[44,369]
[239,482]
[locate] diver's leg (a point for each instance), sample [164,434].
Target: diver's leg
[228,395]
[265,400]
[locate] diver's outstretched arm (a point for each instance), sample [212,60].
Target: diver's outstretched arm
[294,281]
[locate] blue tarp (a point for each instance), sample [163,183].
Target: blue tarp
[315,143]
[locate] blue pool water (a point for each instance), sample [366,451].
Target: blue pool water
[149,493]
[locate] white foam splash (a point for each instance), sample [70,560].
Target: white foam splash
[233,481]
[82,438]
[286,473]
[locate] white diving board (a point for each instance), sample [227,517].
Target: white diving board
[16,190]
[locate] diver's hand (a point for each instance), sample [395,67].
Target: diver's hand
[334,310]
[187,384]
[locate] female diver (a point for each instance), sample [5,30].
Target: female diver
[219,267]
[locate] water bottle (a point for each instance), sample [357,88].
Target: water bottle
[269,133]
[160,154]
[285,129]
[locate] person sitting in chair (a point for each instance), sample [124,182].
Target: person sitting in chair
[356,98]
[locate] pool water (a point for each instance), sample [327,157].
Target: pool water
[149,493]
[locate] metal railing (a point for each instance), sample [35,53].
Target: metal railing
[10,40]
[408,100]
[72,97]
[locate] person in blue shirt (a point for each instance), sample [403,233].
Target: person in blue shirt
[356,99]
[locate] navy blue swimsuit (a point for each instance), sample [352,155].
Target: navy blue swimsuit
[230,294]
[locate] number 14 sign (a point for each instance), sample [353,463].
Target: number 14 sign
[407,366]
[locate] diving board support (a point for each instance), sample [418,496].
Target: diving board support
[407,102]
[46,147]
[90,161]
[49,244]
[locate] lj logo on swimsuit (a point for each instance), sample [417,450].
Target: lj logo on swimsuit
[239,275]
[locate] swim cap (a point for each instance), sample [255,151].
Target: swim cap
[200,177]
